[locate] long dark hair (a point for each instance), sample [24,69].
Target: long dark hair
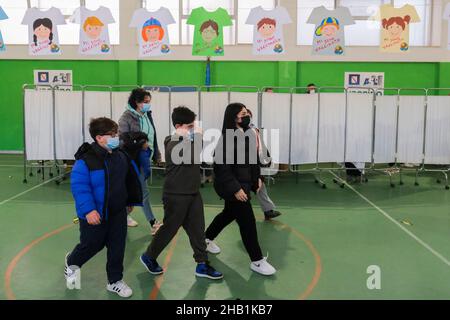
[231,112]
[46,22]
[222,153]
[137,96]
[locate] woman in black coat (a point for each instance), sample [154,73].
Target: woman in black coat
[237,173]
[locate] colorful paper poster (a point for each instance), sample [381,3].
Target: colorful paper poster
[268,38]
[362,82]
[59,79]
[94,33]
[447,17]
[208,34]
[42,31]
[3,16]
[394,35]
[329,35]
[153,36]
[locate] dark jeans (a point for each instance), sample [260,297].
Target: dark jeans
[186,211]
[242,212]
[110,233]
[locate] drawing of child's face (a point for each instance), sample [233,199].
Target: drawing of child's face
[93,32]
[394,30]
[329,30]
[42,32]
[209,34]
[153,34]
[267,30]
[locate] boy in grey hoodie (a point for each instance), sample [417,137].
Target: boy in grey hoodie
[183,204]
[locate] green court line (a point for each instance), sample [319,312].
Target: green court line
[385,214]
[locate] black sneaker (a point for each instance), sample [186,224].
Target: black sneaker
[271,214]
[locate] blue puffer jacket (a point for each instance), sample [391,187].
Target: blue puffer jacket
[144,162]
[90,185]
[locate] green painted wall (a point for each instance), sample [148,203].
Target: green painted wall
[222,73]
[15,73]
[397,75]
[444,75]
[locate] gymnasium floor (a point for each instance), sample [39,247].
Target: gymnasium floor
[322,245]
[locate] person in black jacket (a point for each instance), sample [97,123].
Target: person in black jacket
[237,173]
[135,144]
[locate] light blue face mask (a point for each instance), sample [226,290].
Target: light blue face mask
[113,143]
[191,134]
[147,107]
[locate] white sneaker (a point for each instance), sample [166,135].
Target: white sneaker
[211,247]
[72,275]
[410,165]
[121,288]
[131,222]
[262,267]
[156,227]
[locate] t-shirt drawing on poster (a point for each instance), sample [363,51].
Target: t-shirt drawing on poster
[447,17]
[329,35]
[152,32]
[394,34]
[3,16]
[42,30]
[208,34]
[94,33]
[268,38]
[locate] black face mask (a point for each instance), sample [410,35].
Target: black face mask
[245,122]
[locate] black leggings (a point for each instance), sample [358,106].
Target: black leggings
[243,213]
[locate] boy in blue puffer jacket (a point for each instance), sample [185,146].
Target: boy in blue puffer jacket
[105,186]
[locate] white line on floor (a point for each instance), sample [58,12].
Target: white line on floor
[384,213]
[28,190]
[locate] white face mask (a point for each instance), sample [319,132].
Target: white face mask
[312,91]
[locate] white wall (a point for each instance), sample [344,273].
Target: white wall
[128,50]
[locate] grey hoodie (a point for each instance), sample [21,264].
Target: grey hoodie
[129,122]
[182,178]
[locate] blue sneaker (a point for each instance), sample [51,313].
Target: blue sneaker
[151,265]
[204,270]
